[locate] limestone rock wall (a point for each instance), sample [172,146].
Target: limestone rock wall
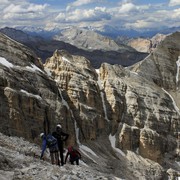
[28,97]
[140,111]
[146,45]
[138,105]
[77,81]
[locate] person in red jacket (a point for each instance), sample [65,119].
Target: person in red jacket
[74,155]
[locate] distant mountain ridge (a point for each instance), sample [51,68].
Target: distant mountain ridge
[110,31]
[146,45]
[129,117]
[89,40]
[44,48]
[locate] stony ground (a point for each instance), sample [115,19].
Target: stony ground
[19,159]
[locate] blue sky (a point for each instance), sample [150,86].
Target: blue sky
[126,14]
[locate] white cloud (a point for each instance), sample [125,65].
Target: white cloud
[4,2]
[87,12]
[160,18]
[77,15]
[125,14]
[78,3]
[127,7]
[139,24]
[22,11]
[12,8]
[176,14]
[34,7]
[174,2]
[60,17]
[82,2]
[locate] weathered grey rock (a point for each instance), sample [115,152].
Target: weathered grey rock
[144,104]
[146,45]
[26,92]
[88,40]
[130,99]
[161,65]
[77,81]
[131,105]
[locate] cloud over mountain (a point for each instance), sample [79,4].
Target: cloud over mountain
[124,14]
[174,3]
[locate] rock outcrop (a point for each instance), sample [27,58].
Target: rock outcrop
[136,103]
[89,40]
[135,108]
[26,92]
[146,45]
[77,81]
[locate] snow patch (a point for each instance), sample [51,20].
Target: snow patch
[6,63]
[112,140]
[48,71]
[30,94]
[64,102]
[102,95]
[65,59]
[10,89]
[174,103]
[87,149]
[178,163]
[177,74]
[97,71]
[81,148]
[77,133]
[34,68]
[137,151]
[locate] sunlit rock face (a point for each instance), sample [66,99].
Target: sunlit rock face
[146,45]
[138,105]
[141,111]
[144,95]
[133,101]
[26,92]
[77,81]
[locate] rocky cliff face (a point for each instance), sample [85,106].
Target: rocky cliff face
[132,109]
[137,106]
[26,91]
[146,45]
[77,81]
[89,40]
[162,69]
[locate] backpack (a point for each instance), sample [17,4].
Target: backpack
[51,140]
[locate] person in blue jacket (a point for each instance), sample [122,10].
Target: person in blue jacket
[50,142]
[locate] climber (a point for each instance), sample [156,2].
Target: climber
[61,137]
[74,155]
[50,142]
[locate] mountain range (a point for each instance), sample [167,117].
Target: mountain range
[106,30]
[124,120]
[104,49]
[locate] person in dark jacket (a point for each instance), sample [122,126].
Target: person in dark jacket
[74,155]
[61,137]
[50,142]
